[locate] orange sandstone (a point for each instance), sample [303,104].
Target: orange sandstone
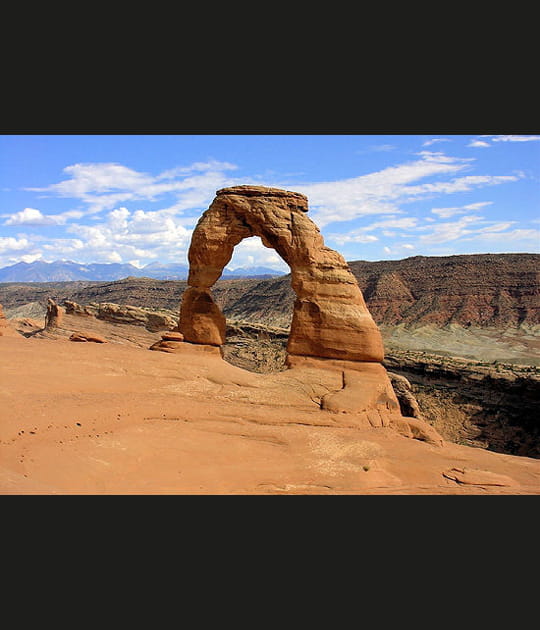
[330,317]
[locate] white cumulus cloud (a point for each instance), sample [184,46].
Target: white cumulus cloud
[29,216]
[530,236]
[139,235]
[399,250]
[9,244]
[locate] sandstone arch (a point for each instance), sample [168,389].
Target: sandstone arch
[330,317]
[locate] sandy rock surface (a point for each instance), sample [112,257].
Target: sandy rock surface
[116,418]
[6,329]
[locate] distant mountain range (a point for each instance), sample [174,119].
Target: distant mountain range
[66,271]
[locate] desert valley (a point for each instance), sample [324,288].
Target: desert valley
[415,376]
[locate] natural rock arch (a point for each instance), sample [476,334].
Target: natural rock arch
[330,318]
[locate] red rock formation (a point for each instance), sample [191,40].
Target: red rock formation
[172,336]
[123,314]
[173,344]
[201,320]
[366,395]
[54,314]
[407,402]
[331,328]
[330,318]
[83,336]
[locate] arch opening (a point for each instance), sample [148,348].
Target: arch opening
[258,311]
[252,253]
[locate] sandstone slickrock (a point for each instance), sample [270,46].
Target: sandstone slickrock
[5,328]
[26,326]
[330,317]
[114,419]
[472,477]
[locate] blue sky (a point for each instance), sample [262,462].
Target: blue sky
[137,198]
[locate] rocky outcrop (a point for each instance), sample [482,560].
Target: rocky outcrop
[84,337]
[72,308]
[54,314]
[154,321]
[201,320]
[26,327]
[173,336]
[407,402]
[172,342]
[330,318]
[366,395]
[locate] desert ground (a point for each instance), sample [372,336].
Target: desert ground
[116,418]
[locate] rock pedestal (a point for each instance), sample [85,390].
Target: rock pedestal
[54,314]
[200,319]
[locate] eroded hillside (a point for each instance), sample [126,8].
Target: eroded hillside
[483,290]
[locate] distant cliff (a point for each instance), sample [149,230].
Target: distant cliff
[496,290]
[485,290]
